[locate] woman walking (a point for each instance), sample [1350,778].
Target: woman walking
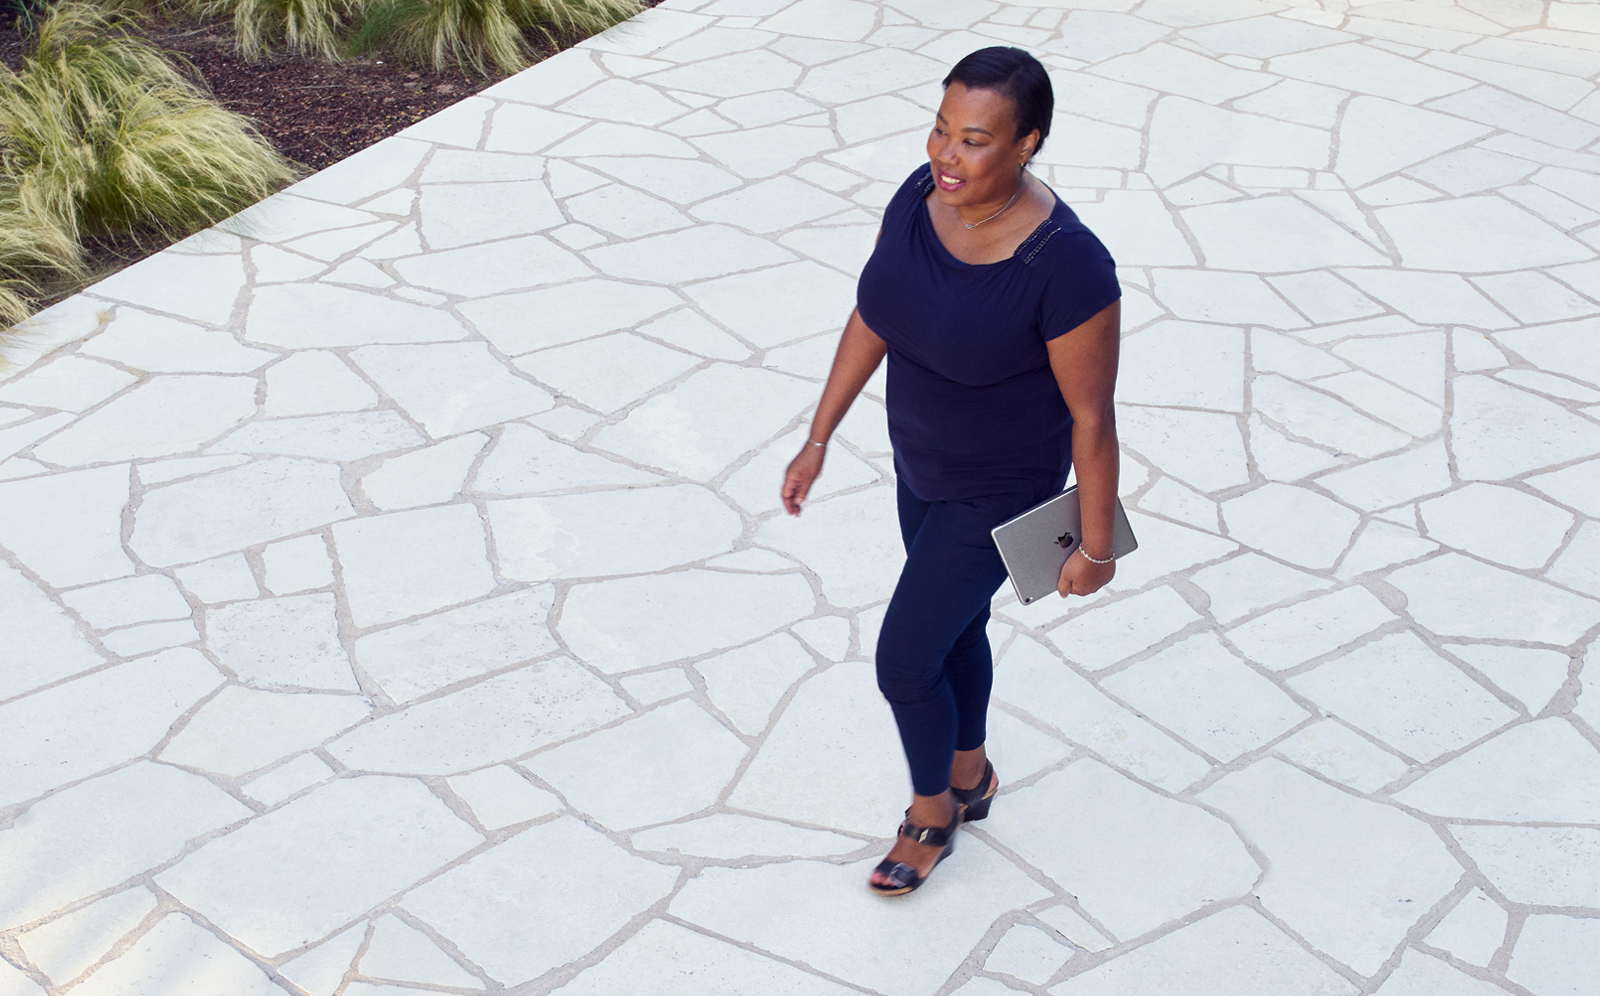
[998,312]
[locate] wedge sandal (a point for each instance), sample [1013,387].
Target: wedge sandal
[902,878]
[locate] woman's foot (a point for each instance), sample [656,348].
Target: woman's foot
[940,813]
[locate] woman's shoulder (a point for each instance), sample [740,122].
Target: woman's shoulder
[1079,277]
[920,181]
[913,190]
[1063,241]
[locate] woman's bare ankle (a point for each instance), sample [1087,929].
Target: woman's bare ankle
[932,810]
[967,768]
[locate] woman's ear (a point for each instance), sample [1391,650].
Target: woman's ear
[1028,145]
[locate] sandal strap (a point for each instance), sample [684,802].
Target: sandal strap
[980,791]
[899,873]
[937,836]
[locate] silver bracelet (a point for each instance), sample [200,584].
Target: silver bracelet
[1109,560]
[813,442]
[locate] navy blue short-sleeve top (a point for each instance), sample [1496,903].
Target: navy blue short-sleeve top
[974,408]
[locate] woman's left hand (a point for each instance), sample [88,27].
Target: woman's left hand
[802,473]
[1081,576]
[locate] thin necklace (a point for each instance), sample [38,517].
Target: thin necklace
[998,213]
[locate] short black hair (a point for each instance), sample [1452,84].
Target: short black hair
[1016,75]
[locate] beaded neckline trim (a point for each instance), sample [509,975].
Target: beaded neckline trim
[1030,247]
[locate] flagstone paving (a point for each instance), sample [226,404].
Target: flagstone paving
[397,598]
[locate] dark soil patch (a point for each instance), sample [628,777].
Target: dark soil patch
[313,112]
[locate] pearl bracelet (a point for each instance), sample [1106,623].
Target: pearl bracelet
[813,442]
[1109,560]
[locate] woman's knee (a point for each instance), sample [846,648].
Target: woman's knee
[905,680]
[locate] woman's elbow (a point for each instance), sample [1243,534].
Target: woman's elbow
[1096,420]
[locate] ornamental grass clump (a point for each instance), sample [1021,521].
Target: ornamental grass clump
[480,35]
[32,243]
[558,20]
[475,34]
[310,27]
[100,133]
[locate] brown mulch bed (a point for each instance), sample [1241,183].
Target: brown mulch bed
[314,112]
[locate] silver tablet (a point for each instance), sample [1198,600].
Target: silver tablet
[1036,544]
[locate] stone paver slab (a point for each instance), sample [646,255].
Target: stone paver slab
[294,875]
[64,947]
[1405,695]
[682,755]
[682,962]
[45,645]
[673,616]
[1236,949]
[1474,930]
[100,720]
[204,517]
[1308,830]
[408,563]
[832,923]
[182,958]
[103,831]
[1540,771]
[518,914]
[1132,857]
[292,641]
[502,718]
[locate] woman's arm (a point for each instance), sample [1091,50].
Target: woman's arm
[1085,364]
[860,351]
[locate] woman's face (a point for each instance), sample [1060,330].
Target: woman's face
[973,148]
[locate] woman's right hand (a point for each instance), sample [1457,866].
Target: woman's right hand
[797,480]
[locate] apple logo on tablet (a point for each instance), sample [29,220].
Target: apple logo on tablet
[1064,540]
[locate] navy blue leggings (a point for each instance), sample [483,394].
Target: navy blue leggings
[934,664]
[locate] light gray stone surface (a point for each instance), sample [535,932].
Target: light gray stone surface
[1258,959]
[64,947]
[182,958]
[293,876]
[397,593]
[102,832]
[1474,930]
[578,901]
[401,952]
[98,721]
[414,658]
[243,729]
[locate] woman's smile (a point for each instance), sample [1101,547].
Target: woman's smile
[950,182]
